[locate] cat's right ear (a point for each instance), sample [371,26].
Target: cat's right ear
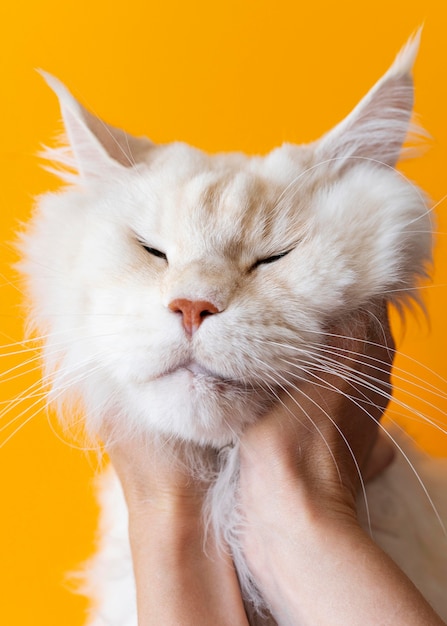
[378,126]
[99,149]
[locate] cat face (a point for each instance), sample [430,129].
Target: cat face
[181,292]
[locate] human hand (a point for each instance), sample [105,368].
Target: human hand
[324,436]
[301,468]
[155,474]
[182,577]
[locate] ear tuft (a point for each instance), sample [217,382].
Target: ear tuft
[99,148]
[405,59]
[378,126]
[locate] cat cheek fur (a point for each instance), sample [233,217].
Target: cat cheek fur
[372,245]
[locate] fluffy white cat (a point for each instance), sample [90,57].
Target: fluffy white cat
[176,288]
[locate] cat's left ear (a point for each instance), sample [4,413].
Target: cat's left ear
[376,129]
[99,148]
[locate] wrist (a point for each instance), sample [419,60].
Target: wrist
[182,576]
[168,523]
[168,505]
[302,531]
[304,509]
[163,546]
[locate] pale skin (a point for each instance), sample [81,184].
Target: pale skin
[177,582]
[304,545]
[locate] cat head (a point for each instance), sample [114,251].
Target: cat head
[180,291]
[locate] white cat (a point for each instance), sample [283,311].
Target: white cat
[175,289]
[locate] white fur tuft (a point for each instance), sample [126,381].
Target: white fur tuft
[405,59]
[100,150]
[379,125]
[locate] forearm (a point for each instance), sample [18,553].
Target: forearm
[177,581]
[315,565]
[345,579]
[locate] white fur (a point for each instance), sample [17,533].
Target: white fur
[355,230]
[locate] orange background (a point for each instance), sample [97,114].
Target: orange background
[220,74]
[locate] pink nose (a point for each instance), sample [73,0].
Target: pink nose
[193,312]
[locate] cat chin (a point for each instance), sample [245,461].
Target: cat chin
[194,406]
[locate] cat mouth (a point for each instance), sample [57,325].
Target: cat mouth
[198,370]
[190,366]
[197,373]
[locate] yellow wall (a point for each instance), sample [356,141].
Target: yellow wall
[221,74]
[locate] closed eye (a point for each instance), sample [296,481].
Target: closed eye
[155,252]
[270,259]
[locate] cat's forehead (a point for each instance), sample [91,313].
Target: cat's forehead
[234,173]
[220,192]
[231,200]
